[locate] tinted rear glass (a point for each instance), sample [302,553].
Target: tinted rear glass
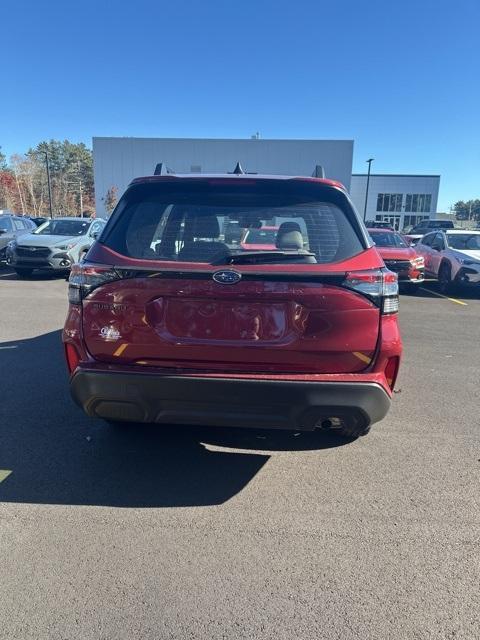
[193,223]
[261,236]
[388,239]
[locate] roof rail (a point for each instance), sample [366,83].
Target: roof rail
[238,171]
[162,170]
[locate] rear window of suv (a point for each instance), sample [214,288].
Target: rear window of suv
[192,222]
[439,224]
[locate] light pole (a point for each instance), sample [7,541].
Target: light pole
[369,162]
[80,190]
[45,153]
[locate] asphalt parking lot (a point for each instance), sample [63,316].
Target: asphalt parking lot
[155,533]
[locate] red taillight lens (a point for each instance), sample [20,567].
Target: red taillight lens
[379,285]
[87,276]
[72,357]
[391,371]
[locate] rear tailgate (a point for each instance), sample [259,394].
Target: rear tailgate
[282,317]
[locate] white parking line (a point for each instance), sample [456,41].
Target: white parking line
[440,295]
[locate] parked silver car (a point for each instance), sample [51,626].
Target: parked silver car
[55,245]
[11,228]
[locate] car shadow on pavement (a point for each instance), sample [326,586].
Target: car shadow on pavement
[7,274]
[430,289]
[57,455]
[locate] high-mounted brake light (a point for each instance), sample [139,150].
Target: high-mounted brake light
[220,182]
[86,277]
[379,285]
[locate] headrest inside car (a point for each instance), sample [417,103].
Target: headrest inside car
[206,227]
[289,236]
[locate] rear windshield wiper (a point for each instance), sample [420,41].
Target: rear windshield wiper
[256,257]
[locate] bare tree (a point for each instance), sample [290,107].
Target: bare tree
[111,198]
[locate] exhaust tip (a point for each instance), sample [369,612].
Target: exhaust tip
[333,422]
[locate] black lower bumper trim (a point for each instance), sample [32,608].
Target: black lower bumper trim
[467,277]
[226,401]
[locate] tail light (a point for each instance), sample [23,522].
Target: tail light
[379,285]
[86,277]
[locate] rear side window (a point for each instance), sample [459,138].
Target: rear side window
[438,242]
[427,240]
[162,222]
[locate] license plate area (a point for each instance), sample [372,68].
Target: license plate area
[233,321]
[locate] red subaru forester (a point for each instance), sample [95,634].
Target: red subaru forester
[170,323]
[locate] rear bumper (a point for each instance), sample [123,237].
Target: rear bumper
[222,401]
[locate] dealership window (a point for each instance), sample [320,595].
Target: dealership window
[393,220]
[418,202]
[389,201]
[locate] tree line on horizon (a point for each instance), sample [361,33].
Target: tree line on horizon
[469,210]
[24,184]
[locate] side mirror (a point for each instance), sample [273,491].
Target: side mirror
[95,234]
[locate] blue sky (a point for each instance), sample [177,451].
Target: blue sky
[401,79]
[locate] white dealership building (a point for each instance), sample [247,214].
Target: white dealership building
[400,199]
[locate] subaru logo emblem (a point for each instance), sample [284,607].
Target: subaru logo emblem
[227,277]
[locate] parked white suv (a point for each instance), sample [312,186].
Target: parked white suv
[452,256]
